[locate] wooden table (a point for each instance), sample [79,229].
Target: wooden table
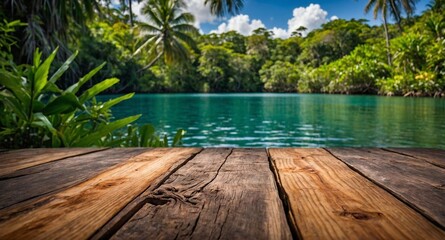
[222,193]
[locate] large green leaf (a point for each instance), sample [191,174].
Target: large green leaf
[63,68]
[41,75]
[65,103]
[75,87]
[115,101]
[94,138]
[98,88]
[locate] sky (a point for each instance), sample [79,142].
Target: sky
[281,16]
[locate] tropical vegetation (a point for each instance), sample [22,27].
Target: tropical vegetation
[54,56]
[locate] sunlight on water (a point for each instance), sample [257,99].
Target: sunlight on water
[297,120]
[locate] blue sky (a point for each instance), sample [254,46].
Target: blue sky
[283,16]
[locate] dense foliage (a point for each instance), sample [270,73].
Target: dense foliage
[344,56]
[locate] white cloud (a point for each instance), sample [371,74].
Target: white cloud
[136,8]
[200,11]
[311,17]
[280,33]
[240,23]
[333,18]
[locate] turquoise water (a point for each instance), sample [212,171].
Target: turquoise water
[299,120]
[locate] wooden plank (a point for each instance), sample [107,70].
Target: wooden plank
[78,212]
[15,160]
[433,156]
[217,195]
[36,181]
[415,181]
[330,201]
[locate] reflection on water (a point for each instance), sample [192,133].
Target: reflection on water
[299,120]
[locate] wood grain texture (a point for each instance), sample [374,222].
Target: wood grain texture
[15,160]
[40,180]
[433,156]
[78,212]
[415,181]
[219,194]
[330,201]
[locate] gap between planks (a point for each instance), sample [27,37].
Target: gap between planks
[15,160]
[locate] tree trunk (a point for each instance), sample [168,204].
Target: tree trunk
[397,15]
[152,62]
[131,12]
[388,47]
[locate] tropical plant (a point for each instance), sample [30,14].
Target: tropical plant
[409,52]
[167,33]
[37,113]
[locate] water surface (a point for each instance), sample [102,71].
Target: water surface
[298,120]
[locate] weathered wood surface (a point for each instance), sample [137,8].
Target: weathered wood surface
[76,213]
[46,178]
[433,156]
[329,201]
[219,194]
[417,182]
[185,193]
[15,160]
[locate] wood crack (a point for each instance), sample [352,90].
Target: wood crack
[217,172]
[284,199]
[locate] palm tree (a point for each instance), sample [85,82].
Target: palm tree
[396,5]
[50,23]
[381,6]
[167,32]
[220,7]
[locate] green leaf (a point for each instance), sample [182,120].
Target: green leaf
[98,88]
[63,68]
[63,104]
[42,121]
[37,106]
[41,75]
[178,137]
[75,87]
[93,138]
[115,101]
[52,87]
[13,83]
[146,132]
